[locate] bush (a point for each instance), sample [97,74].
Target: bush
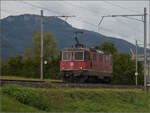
[26,96]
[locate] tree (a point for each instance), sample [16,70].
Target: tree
[50,45]
[3,67]
[108,47]
[124,69]
[51,70]
[123,66]
[31,66]
[13,67]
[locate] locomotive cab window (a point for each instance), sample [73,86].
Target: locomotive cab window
[78,55]
[106,58]
[86,55]
[101,58]
[110,60]
[94,56]
[66,55]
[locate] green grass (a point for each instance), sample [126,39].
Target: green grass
[9,104]
[80,100]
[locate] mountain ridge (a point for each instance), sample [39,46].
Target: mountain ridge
[16,34]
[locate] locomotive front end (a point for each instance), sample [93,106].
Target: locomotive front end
[73,64]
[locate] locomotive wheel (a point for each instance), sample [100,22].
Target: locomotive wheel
[73,79]
[92,79]
[67,79]
[107,80]
[78,79]
[81,79]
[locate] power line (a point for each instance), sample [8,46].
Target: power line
[39,7]
[130,26]
[57,12]
[7,11]
[122,7]
[87,9]
[127,17]
[86,22]
[79,18]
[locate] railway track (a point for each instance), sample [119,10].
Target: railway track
[44,84]
[90,85]
[29,83]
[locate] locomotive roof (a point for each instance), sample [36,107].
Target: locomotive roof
[86,48]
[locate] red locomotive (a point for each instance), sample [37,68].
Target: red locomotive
[83,64]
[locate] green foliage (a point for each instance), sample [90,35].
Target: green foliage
[13,66]
[30,67]
[123,66]
[108,47]
[82,100]
[124,70]
[9,104]
[49,43]
[51,69]
[26,96]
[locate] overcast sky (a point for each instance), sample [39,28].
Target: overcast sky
[88,15]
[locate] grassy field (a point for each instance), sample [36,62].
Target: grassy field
[74,100]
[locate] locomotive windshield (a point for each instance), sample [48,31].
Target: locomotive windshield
[66,56]
[78,55]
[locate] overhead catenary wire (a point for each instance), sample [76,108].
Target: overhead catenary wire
[39,7]
[86,9]
[125,9]
[81,19]
[94,25]
[56,12]
[8,11]
[122,7]
[117,20]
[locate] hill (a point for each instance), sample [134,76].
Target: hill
[16,34]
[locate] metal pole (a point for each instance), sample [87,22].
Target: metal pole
[42,22]
[42,36]
[136,73]
[145,48]
[149,46]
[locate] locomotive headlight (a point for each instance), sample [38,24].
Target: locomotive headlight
[71,64]
[80,67]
